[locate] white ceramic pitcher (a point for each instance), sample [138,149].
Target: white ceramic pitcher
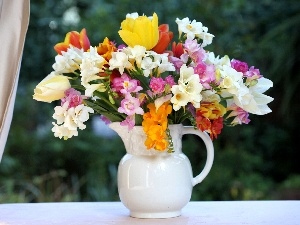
[154,184]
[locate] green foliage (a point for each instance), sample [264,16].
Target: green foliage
[255,161]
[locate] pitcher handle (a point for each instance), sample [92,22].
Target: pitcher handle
[210,153]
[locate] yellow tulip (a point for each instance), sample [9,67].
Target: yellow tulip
[140,31]
[51,88]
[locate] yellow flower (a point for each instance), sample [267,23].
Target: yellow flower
[155,124]
[140,31]
[51,88]
[212,110]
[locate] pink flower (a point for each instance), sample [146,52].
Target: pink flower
[176,62]
[157,85]
[206,74]
[194,50]
[73,97]
[241,116]
[125,84]
[239,66]
[191,46]
[253,73]
[129,122]
[170,80]
[130,106]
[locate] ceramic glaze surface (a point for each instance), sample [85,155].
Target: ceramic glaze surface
[154,184]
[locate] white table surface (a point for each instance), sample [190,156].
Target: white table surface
[206,212]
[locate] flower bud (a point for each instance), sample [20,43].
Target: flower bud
[51,88]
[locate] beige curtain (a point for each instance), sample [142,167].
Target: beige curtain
[14,18]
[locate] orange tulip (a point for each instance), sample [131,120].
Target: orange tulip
[165,37]
[75,39]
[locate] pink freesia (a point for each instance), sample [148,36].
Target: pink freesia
[239,66]
[176,62]
[206,74]
[157,85]
[253,73]
[241,116]
[130,106]
[73,97]
[170,80]
[195,51]
[125,84]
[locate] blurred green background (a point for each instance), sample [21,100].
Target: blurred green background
[255,161]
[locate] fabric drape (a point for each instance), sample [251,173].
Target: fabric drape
[14,19]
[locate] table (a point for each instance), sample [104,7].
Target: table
[206,212]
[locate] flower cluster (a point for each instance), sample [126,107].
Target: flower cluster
[151,80]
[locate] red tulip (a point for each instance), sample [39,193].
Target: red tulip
[165,37]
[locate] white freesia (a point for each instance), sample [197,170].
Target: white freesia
[91,66]
[69,61]
[135,53]
[188,89]
[148,65]
[132,15]
[194,29]
[119,61]
[217,61]
[179,98]
[68,120]
[210,96]
[258,101]
[61,131]
[231,80]
[163,62]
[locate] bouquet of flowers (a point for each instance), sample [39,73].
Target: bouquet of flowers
[152,81]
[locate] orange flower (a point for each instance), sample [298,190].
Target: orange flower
[212,110]
[106,48]
[165,37]
[155,124]
[75,39]
[209,118]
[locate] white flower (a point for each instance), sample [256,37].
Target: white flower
[148,65]
[189,28]
[91,66]
[132,15]
[179,98]
[63,132]
[188,89]
[217,61]
[207,38]
[70,119]
[136,53]
[163,63]
[69,61]
[258,101]
[194,29]
[232,81]
[210,96]
[119,61]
